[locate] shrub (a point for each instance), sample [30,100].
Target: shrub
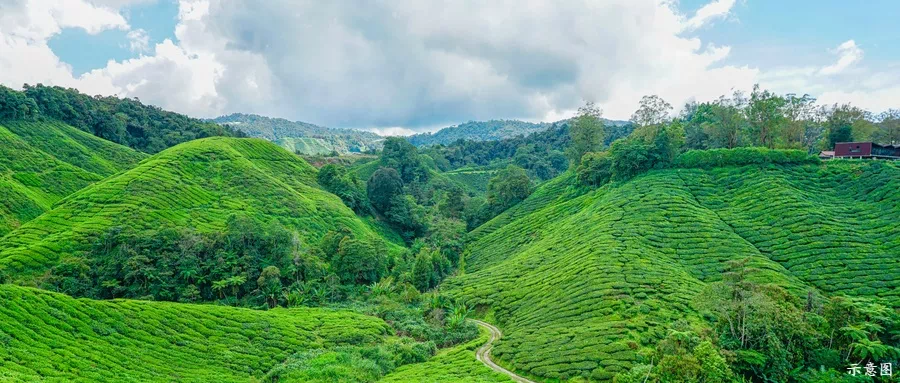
[742,156]
[595,169]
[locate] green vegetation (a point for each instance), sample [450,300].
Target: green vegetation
[121,120]
[452,365]
[492,130]
[43,162]
[195,185]
[586,283]
[49,336]
[303,138]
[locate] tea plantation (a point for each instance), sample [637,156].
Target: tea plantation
[42,162]
[453,365]
[52,337]
[197,184]
[581,281]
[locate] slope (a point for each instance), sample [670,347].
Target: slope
[197,184]
[49,336]
[580,285]
[42,162]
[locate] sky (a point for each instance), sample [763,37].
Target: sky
[414,65]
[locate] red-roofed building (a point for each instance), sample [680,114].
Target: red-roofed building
[866,150]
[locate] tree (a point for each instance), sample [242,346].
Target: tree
[269,283]
[510,186]
[595,169]
[337,180]
[383,186]
[423,271]
[726,122]
[888,128]
[359,262]
[653,110]
[399,154]
[764,114]
[799,114]
[840,121]
[586,132]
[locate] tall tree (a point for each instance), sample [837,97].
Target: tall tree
[764,114]
[888,127]
[726,122]
[383,186]
[508,187]
[653,110]
[586,131]
[839,122]
[799,115]
[399,154]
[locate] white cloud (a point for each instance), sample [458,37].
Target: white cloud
[138,41]
[848,54]
[413,64]
[718,9]
[392,131]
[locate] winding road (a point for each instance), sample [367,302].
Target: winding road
[484,353]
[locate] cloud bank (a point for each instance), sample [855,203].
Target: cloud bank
[410,64]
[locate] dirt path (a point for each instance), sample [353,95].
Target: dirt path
[484,353]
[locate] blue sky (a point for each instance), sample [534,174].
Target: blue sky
[769,33]
[412,65]
[85,52]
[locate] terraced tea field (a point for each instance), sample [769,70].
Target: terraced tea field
[581,285]
[198,184]
[52,337]
[42,162]
[453,365]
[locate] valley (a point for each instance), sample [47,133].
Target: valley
[582,251]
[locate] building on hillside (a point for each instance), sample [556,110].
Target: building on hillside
[826,154]
[866,150]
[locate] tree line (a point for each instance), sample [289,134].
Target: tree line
[124,121]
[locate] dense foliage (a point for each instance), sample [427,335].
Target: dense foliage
[587,283]
[194,185]
[478,131]
[121,120]
[761,332]
[301,137]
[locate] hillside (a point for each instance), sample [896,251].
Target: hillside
[53,337]
[197,184]
[125,121]
[582,281]
[491,130]
[301,137]
[42,162]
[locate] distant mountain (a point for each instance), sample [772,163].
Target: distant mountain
[491,130]
[301,137]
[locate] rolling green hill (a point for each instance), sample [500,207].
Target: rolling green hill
[582,280]
[301,137]
[42,162]
[197,184]
[52,337]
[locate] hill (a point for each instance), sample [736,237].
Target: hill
[301,137]
[121,120]
[42,162]
[491,130]
[583,282]
[53,337]
[199,184]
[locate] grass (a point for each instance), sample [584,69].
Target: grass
[42,162]
[453,365]
[582,282]
[52,337]
[475,180]
[198,184]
